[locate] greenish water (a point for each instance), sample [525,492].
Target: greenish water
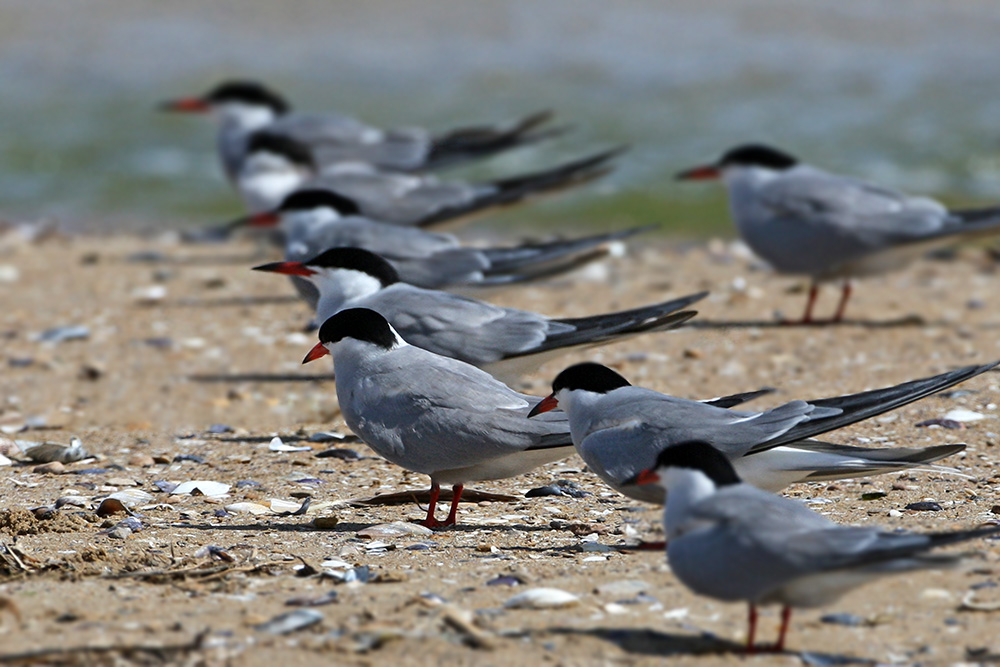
[904,96]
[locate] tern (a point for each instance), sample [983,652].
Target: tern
[806,221]
[729,540]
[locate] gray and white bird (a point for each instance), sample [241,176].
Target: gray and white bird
[275,166]
[244,107]
[619,430]
[312,221]
[734,542]
[506,342]
[806,221]
[431,414]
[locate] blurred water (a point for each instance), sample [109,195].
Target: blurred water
[901,92]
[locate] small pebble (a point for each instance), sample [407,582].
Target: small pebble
[850,620]
[51,468]
[542,598]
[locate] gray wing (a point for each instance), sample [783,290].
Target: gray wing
[399,148]
[443,414]
[391,242]
[400,199]
[319,129]
[869,214]
[458,327]
[629,428]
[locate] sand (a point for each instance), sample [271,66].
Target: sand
[73,593]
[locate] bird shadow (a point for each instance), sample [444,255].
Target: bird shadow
[900,322]
[260,377]
[644,641]
[229,302]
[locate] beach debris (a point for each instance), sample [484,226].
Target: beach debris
[291,621]
[276,445]
[313,601]
[963,415]
[333,436]
[215,553]
[970,603]
[294,510]
[462,621]
[924,506]
[624,588]
[873,495]
[360,574]
[325,522]
[395,529]
[131,497]
[164,486]
[9,274]
[542,598]
[506,580]
[110,506]
[849,620]
[201,487]
[219,429]
[248,508]
[561,487]
[63,334]
[150,294]
[73,501]
[4,461]
[53,451]
[949,424]
[339,453]
[51,468]
[192,458]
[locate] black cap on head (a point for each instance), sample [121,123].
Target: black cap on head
[697,455]
[249,92]
[758,155]
[359,323]
[293,151]
[307,200]
[356,259]
[589,377]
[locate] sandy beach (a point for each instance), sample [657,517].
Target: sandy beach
[188,364]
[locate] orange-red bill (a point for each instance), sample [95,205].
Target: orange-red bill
[286,268]
[548,403]
[318,351]
[187,105]
[646,477]
[708,172]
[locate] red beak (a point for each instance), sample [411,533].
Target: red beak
[707,172]
[646,477]
[546,404]
[315,353]
[187,105]
[287,268]
[263,220]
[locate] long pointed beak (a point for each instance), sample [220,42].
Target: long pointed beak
[706,172]
[287,268]
[270,219]
[643,478]
[186,105]
[319,350]
[548,403]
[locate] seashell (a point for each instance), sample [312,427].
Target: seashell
[110,506]
[542,598]
[962,415]
[277,445]
[201,487]
[278,505]
[4,461]
[132,497]
[248,508]
[151,294]
[61,334]
[291,621]
[395,529]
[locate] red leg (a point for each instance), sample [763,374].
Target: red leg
[453,514]
[786,616]
[807,317]
[845,295]
[751,629]
[810,302]
[431,521]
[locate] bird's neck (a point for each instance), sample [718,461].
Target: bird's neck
[685,488]
[339,289]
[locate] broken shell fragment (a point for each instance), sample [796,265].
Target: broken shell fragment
[542,598]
